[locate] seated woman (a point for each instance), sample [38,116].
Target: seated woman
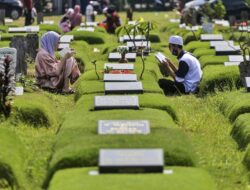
[65,24]
[51,73]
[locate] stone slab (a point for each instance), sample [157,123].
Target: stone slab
[231,63]
[247,84]
[123,127]
[117,56]
[222,22]
[131,161]
[213,44]
[211,37]
[66,38]
[49,22]
[123,87]
[8,20]
[119,66]
[88,29]
[120,78]
[126,38]
[138,44]
[62,46]
[24,29]
[116,102]
[236,58]
[227,50]
[89,24]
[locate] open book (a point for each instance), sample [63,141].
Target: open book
[63,52]
[162,58]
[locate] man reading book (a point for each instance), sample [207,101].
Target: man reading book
[188,74]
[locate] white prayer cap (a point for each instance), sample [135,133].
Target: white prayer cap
[176,40]
[105,10]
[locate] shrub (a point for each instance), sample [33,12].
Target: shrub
[89,37]
[154,37]
[192,46]
[207,60]
[36,112]
[12,158]
[203,51]
[219,78]
[235,104]
[241,130]
[182,178]
[48,27]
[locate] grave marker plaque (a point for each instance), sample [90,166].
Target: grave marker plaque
[88,29]
[126,38]
[117,56]
[227,50]
[119,66]
[131,161]
[116,102]
[211,37]
[231,63]
[247,84]
[123,127]
[138,44]
[123,87]
[221,43]
[237,58]
[119,77]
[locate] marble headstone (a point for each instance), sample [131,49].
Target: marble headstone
[119,66]
[119,77]
[123,87]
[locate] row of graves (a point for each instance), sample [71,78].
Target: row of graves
[221,46]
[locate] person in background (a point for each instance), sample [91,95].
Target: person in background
[28,5]
[112,20]
[51,73]
[129,12]
[65,23]
[89,12]
[188,75]
[76,18]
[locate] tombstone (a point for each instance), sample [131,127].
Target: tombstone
[88,29]
[219,43]
[119,66]
[126,38]
[123,87]
[247,79]
[33,29]
[19,91]
[227,50]
[236,58]
[66,38]
[20,44]
[8,20]
[131,161]
[120,78]
[231,63]
[207,28]
[116,102]
[32,45]
[211,37]
[39,18]
[123,127]
[89,24]
[16,29]
[139,44]
[2,17]
[117,56]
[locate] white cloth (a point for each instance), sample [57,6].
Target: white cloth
[194,74]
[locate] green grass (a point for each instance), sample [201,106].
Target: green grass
[190,47]
[234,104]
[89,37]
[182,178]
[12,158]
[219,78]
[241,130]
[203,51]
[207,60]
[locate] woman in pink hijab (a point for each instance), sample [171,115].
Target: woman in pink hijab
[76,17]
[51,73]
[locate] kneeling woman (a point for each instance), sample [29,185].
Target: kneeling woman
[51,73]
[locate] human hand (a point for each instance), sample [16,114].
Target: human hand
[69,54]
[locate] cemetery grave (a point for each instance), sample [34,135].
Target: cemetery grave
[119,126]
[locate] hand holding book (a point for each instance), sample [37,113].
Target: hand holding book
[161,58]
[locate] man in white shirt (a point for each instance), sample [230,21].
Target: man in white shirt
[187,76]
